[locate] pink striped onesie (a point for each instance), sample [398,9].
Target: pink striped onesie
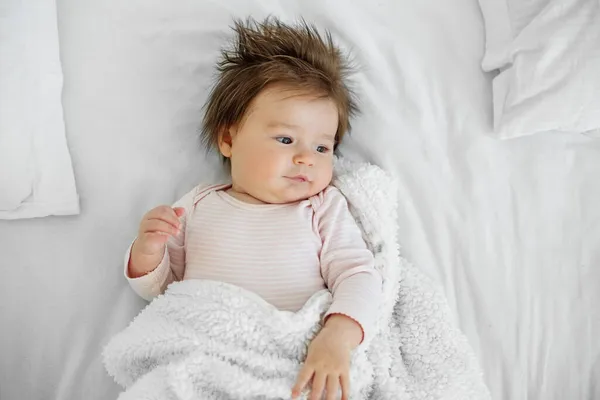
[282,252]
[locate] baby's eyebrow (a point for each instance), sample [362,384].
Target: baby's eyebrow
[278,124]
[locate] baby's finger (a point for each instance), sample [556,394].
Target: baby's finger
[333,384]
[179,211]
[345,381]
[155,238]
[303,377]
[151,243]
[164,213]
[317,386]
[160,226]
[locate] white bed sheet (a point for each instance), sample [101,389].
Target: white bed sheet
[510,229]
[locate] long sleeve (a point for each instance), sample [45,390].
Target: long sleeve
[346,263]
[172,266]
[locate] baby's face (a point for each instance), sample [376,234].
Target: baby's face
[283,150]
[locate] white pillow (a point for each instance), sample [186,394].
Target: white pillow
[547,53]
[36,172]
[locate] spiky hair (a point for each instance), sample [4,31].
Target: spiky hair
[271,52]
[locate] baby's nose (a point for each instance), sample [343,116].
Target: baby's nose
[304,158]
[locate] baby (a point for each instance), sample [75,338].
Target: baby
[278,110]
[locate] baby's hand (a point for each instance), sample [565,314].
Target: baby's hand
[149,247]
[156,227]
[328,359]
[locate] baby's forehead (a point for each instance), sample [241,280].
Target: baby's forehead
[292,110]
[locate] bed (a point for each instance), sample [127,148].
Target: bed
[509,228]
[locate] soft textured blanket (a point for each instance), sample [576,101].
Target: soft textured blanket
[211,340]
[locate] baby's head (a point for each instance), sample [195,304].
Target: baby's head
[278,110]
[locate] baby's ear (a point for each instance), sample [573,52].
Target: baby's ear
[226,140]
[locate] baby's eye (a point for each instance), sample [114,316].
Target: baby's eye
[322,149]
[284,140]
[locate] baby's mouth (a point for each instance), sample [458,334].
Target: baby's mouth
[298,178]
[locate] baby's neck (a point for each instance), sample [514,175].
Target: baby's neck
[241,196]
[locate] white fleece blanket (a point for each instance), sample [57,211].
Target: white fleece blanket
[211,340]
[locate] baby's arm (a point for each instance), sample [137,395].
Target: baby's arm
[347,266]
[150,264]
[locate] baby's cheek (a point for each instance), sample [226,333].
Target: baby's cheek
[265,168]
[327,174]
[323,180]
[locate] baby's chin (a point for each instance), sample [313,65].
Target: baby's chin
[293,194]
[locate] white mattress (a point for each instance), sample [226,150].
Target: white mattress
[510,228]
